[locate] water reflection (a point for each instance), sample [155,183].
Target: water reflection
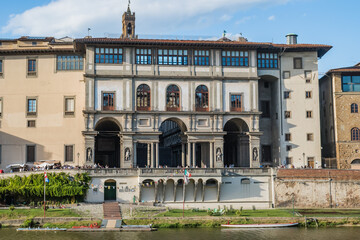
[191,234]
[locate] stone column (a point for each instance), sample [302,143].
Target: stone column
[203,192]
[134,155]
[157,155]
[188,154]
[156,191]
[148,155]
[218,192]
[164,191]
[211,155]
[193,154]
[140,188]
[152,156]
[175,187]
[183,154]
[195,190]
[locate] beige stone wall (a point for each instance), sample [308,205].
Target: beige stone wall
[53,129]
[347,150]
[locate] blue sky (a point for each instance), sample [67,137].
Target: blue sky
[329,22]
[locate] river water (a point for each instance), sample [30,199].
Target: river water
[342,233]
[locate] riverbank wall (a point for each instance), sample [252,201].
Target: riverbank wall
[317,188]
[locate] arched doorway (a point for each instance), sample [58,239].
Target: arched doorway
[236,143]
[107,143]
[355,164]
[110,190]
[171,149]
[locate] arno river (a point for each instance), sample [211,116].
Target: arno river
[342,233]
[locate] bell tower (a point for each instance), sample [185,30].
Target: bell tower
[128,22]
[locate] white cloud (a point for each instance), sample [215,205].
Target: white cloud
[69,17]
[244,19]
[271,18]
[225,17]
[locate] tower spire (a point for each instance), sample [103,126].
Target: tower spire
[128,9]
[128,22]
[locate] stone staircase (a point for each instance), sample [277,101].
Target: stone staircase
[111,210]
[112,215]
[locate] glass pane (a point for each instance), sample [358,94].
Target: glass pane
[356,79]
[185,52]
[356,87]
[346,88]
[346,79]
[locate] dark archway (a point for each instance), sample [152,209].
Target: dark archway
[236,143]
[107,143]
[170,146]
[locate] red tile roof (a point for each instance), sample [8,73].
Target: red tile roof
[320,48]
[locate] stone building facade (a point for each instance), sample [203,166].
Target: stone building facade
[339,96]
[41,101]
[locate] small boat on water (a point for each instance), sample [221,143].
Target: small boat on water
[272,225]
[41,229]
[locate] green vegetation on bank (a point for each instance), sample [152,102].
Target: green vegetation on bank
[62,188]
[31,213]
[71,224]
[332,212]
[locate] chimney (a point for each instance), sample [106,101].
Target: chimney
[291,38]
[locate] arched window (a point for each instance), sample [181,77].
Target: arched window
[354,108]
[172,98]
[355,134]
[129,29]
[202,98]
[143,98]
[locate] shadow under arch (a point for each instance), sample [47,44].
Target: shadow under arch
[355,164]
[107,143]
[171,150]
[236,143]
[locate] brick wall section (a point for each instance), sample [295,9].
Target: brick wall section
[318,174]
[313,188]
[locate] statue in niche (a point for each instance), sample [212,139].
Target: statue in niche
[255,154]
[89,154]
[127,154]
[218,155]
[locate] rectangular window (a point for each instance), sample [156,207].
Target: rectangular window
[31,71]
[30,153]
[308,94]
[265,109]
[308,76]
[69,106]
[298,63]
[286,74]
[173,57]
[267,60]
[287,137]
[31,123]
[310,137]
[201,57]
[143,56]
[235,58]
[311,162]
[73,62]
[109,55]
[1,67]
[31,106]
[350,83]
[287,114]
[108,101]
[235,103]
[286,94]
[308,114]
[288,148]
[289,161]
[69,153]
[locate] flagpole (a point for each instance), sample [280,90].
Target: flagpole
[44,192]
